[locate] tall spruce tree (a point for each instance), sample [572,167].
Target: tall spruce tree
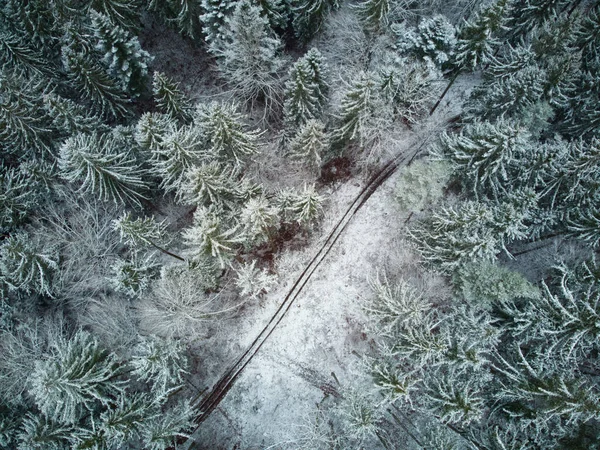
[122,53]
[248,57]
[306,90]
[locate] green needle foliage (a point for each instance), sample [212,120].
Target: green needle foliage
[224,128]
[207,184]
[209,237]
[96,162]
[26,266]
[76,377]
[310,144]
[123,55]
[92,82]
[169,98]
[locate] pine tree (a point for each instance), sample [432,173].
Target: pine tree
[359,106]
[26,266]
[169,98]
[523,17]
[277,12]
[161,363]
[122,54]
[310,144]
[374,14]
[38,432]
[259,221]
[208,237]
[69,117]
[306,207]
[19,195]
[411,88]
[306,89]
[434,39]
[76,377]
[252,281]
[181,149]
[124,13]
[20,58]
[478,38]
[215,18]
[101,167]
[249,57]
[163,432]
[470,232]
[24,123]
[310,15]
[224,129]
[132,277]
[152,129]
[207,184]
[94,85]
[485,155]
[124,422]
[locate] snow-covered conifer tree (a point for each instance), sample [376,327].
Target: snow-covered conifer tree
[310,15]
[159,362]
[248,57]
[169,98]
[358,108]
[310,143]
[76,377]
[433,39]
[485,154]
[306,206]
[152,129]
[252,281]
[207,184]
[181,149]
[101,167]
[93,83]
[26,266]
[215,16]
[122,53]
[478,37]
[228,140]
[69,117]
[24,123]
[306,89]
[259,220]
[210,237]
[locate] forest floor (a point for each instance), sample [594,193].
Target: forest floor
[317,349]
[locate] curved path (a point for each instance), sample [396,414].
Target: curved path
[208,404]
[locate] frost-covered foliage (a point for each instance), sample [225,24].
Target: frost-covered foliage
[248,58]
[169,98]
[26,265]
[471,231]
[309,144]
[252,281]
[24,123]
[410,87]
[306,90]
[207,184]
[181,149]
[20,196]
[422,184]
[226,133]
[259,220]
[478,37]
[159,362]
[486,284]
[216,14]
[152,129]
[310,16]
[434,40]
[176,305]
[209,236]
[76,377]
[139,232]
[132,277]
[123,55]
[90,79]
[304,207]
[100,165]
